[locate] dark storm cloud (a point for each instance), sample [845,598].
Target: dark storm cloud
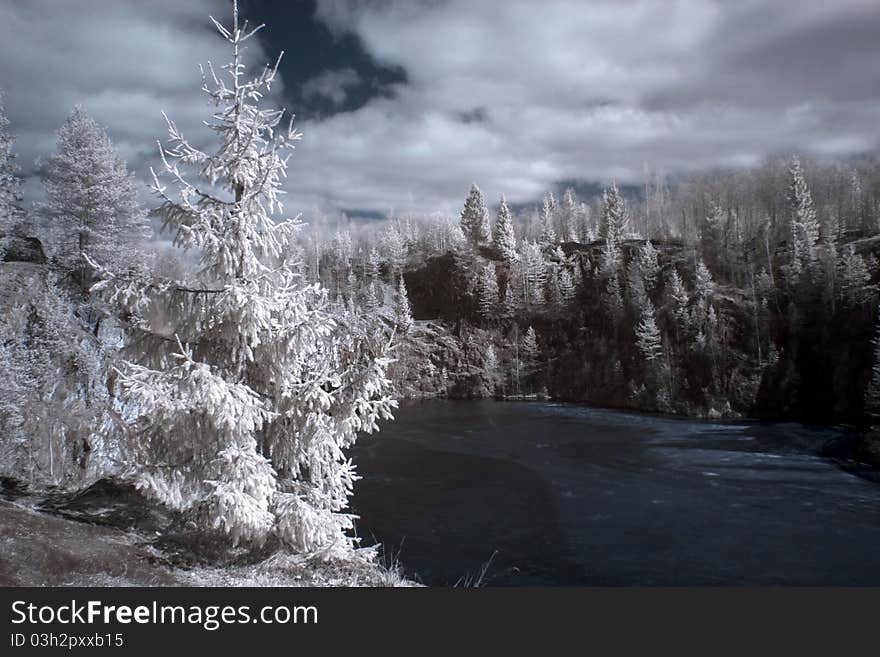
[404,103]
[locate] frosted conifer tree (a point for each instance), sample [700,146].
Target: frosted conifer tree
[855,288]
[503,239]
[570,217]
[548,216]
[403,318]
[534,274]
[566,287]
[648,335]
[704,284]
[487,291]
[614,223]
[10,183]
[649,265]
[371,265]
[679,296]
[804,224]
[475,218]
[395,250]
[529,346]
[91,199]
[243,419]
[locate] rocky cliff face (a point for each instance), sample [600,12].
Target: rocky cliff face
[813,364]
[21,248]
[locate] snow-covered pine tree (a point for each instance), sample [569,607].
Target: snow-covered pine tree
[403,318]
[10,182]
[244,419]
[503,238]
[371,265]
[548,218]
[487,291]
[475,218]
[566,287]
[680,298]
[395,249]
[614,223]
[534,274]
[91,200]
[854,279]
[649,265]
[704,283]
[648,337]
[529,347]
[803,222]
[570,219]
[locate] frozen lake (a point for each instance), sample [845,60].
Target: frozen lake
[568,495]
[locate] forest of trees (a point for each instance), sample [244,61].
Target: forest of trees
[229,377]
[735,293]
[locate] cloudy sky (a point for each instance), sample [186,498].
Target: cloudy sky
[404,103]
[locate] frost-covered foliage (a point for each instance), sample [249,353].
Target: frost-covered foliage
[10,183]
[804,223]
[648,337]
[503,238]
[248,388]
[91,199]
[52,396]
[475,218]
[403,312]
[614,225]
[548,218]
[487,291]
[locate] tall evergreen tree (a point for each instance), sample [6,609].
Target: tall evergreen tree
[614,223]
[503,239]
[91,199]
[245,423]
[854,279]
[705,284]
[548,218]
[648,335]
[403,318]
[803,221]
[487,291]
[570,218]
[649,265]
[679,297]
[534,274]
[475,218]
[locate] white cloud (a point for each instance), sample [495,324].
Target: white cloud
[332,85]
[512,94]
[577,90]
[125,61]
